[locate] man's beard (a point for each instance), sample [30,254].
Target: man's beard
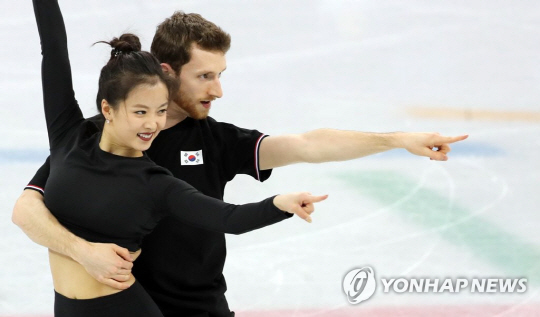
[191,107]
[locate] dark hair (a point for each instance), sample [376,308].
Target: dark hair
[127,68]
[174,37]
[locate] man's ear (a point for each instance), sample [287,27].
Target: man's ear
[168,70]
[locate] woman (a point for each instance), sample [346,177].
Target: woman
[104,188]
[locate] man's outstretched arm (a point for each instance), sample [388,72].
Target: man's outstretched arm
[108,263]
[328,145]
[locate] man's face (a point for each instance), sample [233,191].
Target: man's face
[200,82]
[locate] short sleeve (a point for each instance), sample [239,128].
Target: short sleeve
[239,151]
[40,178]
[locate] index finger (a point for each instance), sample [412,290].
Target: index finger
[452,139]
[316,199]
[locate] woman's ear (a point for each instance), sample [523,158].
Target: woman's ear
[106,110]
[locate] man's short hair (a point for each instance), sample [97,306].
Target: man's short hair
[174,37]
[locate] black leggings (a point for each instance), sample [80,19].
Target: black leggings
[133,302]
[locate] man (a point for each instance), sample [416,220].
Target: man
[182,268]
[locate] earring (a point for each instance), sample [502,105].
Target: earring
[107,121]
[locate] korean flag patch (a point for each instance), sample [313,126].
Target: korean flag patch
[191,157]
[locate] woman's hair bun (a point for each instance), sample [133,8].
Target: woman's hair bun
[127,43]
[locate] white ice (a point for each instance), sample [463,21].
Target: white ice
[299,65]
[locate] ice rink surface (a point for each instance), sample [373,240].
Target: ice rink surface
[447,66]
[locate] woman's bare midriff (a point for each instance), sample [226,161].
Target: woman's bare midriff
[73,281]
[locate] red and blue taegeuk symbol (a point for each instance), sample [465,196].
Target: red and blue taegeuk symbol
[191,158]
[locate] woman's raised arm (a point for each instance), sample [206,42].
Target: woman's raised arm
[62,111]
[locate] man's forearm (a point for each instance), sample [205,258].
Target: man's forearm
[106,262]
[323,145]
[37,222]
[328,145]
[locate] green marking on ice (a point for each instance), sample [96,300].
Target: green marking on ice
[454,223]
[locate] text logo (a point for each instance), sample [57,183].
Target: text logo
[435,285]
[359,285]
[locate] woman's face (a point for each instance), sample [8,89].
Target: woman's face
[137,120]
